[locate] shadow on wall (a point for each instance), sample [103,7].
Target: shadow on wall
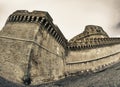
[6,83]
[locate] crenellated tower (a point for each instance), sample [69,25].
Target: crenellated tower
[32,48]
[34,51]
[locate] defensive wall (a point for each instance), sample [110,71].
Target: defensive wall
[33,50]
[93,57]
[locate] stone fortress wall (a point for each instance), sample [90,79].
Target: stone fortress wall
[39,48]
[92,59]
[35,51]
[92,52]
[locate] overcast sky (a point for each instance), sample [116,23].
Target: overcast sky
[71,16]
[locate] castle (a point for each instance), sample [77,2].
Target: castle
[33,50]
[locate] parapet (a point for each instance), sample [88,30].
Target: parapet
[33,13]
[39,17]
[93,36]
[91,31]
[43,59]
[93,43]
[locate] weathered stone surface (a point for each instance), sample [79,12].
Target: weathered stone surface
[107,78]
[91,31]
[84,60]
[34,51]
[28,52]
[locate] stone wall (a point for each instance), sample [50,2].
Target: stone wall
[47,62]
[27,49]
[15,44]
[92,59]
[34,51]
[91,31]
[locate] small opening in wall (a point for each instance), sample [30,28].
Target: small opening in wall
[98,30]
[10,18]
[44,21]
[18,18]
[76,47]
[79,47]
[84,46]
[30,19]
[72,47]
[40,18]
[60,39]
[26,18]
[21,18]
[56,36]
[68,47]
[47,25]
[34,19]
[51,30]
[13,18]
[54,33]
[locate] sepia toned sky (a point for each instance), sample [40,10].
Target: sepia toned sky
[71,16]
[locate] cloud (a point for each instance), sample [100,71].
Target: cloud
[1,8]
[70,15]
[115,18]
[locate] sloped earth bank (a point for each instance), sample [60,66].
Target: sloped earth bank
[107,78]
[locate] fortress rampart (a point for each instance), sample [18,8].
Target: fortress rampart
[41,18]
[34,51]
[35,45]
[92,60]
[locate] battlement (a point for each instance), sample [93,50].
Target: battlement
[93,43]
[34,14]
[91,31]
[93,36]
[34,51]
[39,17]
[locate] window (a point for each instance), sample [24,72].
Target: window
[98,30]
